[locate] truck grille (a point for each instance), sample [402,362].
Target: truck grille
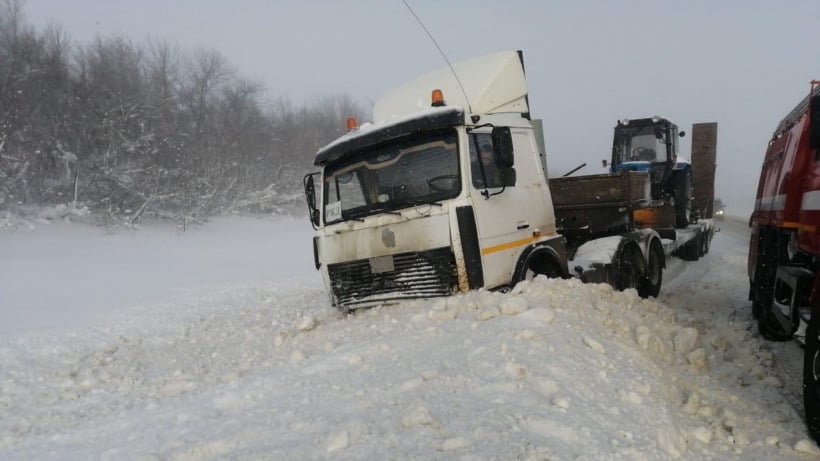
[415,275]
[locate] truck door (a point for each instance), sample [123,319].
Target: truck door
[507,217]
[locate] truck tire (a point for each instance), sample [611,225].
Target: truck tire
[706,240]
[811,375]
[763,293]
[771,330]
[542,265]
[690,251]
[650,284]
[683,198]
[762,304]
[628,267]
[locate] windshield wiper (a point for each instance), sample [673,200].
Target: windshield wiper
[385,211]
[425,202]
[353,217]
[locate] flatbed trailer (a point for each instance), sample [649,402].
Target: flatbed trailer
[615,231]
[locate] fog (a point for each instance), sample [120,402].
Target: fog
[589,63]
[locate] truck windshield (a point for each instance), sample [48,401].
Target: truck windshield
[640,144]
[413,170]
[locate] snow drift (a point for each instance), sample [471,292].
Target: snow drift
[554,370]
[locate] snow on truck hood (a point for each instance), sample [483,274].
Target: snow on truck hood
[369,134]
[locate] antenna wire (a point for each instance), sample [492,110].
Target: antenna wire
[458,80]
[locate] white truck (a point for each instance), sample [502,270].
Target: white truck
[447,191]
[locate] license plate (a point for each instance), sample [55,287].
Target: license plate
[381,264]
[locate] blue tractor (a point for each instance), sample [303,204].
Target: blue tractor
[651,145]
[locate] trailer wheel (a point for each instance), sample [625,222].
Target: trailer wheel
[683,198]
[811,375]
[628,267]
[690,251]
[706,241]
[650,284]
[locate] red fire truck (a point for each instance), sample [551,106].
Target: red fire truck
[784,252]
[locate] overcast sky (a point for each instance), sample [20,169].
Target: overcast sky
[740,63]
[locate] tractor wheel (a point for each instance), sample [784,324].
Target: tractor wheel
[683,198]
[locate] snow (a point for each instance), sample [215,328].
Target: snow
[79,272]
[384,125]
[219,343]
[598,250]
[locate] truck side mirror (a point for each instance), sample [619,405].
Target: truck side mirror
[814,120]
[507,176]
[503,147]
[310,195]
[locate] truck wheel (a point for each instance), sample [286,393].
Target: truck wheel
[683,198]
[690,251]
[771,330]
[762,304]
[542,266]
[811,375]
[763,294]
[650,284]
[706,243]
[628,267]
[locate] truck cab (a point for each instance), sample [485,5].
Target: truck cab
[439,197]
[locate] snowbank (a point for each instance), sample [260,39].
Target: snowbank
[554,370]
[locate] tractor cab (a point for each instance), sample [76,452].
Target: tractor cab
[648,144]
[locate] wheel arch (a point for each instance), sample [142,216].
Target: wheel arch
[553,251]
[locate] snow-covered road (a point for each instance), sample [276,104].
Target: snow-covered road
[235,354]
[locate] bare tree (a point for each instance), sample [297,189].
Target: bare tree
[146,130]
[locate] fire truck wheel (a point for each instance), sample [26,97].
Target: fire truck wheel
[767,324]
[771,329]
[763,300]
[762,304]
[650,284]
[811,375]
[762,284]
